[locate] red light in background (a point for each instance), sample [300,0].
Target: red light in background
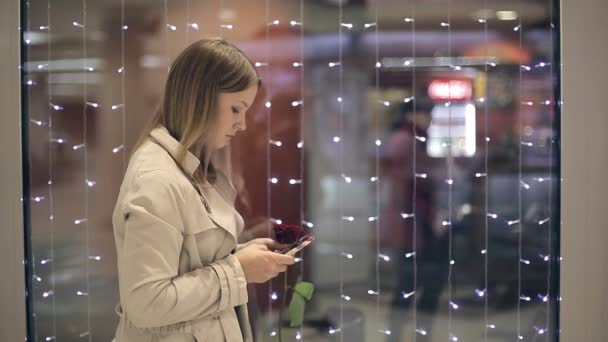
[450,90]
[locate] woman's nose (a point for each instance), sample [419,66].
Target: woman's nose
[241,124]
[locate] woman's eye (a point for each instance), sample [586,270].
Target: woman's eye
[235,111]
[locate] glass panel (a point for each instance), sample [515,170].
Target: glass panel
[416,140]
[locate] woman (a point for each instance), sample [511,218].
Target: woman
[182,276]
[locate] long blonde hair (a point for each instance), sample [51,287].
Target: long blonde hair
[189,106]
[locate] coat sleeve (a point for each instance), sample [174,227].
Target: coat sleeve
[152,291]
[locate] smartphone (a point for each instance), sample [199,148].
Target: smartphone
[302,242]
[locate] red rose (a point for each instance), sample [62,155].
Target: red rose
[287,233]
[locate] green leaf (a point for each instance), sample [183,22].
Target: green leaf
[302,293]
[305,289]
[296,310]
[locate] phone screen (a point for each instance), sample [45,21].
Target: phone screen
[303,242]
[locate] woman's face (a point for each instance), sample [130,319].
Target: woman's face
[231,116]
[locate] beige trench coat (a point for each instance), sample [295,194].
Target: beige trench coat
[178,278]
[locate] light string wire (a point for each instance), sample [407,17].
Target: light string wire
[377,66]
[88,333]
[414,178]
[486,178]
[519,187]
[450,162]
[341,166]
[51,170]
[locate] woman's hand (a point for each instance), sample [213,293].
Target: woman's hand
[259,264]
[269,243]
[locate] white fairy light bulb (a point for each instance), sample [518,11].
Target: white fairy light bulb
[348,218]
[171,27]
[118,149]
[421,175]
[296,103]
[333,64]
[116,106]
[372,292]
[345,297]
[274,180]
[384,257]
[407,295]
[274,296]
[79,221]
[454,306]
[77,147]
[93,104]
[347,25]
[541,222]
[80,293]
[48,293]
[421,332]
[56,107]
[408,20]
[406,215]
[308,224]
[276,143]
[77,24]
[336,139]
[346,178]
[295,181]
[347,255]
[494,216]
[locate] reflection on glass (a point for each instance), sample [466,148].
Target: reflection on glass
[415,140]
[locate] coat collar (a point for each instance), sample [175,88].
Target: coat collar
[166,141]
